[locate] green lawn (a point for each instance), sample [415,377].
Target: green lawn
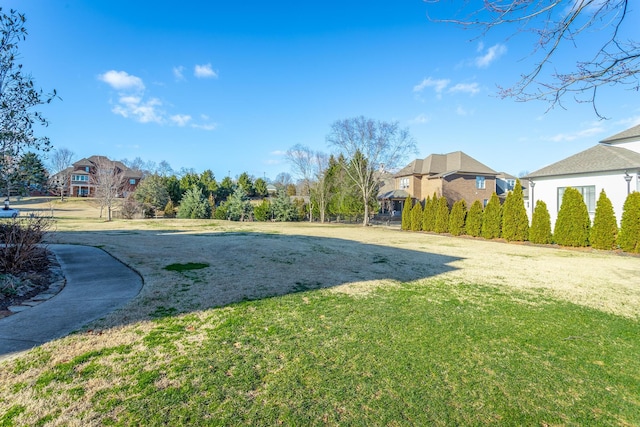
[424,353]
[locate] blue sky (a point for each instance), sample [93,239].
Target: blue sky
[230,86]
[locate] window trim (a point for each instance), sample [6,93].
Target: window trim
[591,204]
[481,182]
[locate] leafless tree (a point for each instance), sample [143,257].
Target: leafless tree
[108,181]
[603,29]
[59,166]
[310,166]
[369,145]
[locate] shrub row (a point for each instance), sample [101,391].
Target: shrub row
[510,221]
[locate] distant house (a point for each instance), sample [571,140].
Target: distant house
[80,179]
[613,166]
[456,176]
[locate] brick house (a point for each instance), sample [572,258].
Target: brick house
[454,175]
[79,179]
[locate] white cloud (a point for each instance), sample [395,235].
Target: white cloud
[121,80]
[144,112]
[470,88]
[206,126]
[278,153]
[461,111]
[584,133]
[180,119]
[492,54]
[420,119]
[437,85]
[178,72]
[205,71]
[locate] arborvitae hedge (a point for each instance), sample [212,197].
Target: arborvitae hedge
[426,215]
[492,218]
[473,225]
[442,216]
[457,217]
[605,228]
[406,214]
[432,214]
[573,223]
[515,222]
[629,237]
[540,231]
[416,217]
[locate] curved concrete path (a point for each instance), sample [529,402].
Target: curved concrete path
[96,284]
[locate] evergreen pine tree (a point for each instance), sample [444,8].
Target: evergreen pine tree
[629,237]
[605,228]
[406,214]
[416,217]
[457,217]
[433,212]
[540,231]
[169,210]
[515,222]
[492,218]
[442,216]
[573,223]
[473,224]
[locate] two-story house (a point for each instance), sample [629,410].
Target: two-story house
[80,179]
[454,175]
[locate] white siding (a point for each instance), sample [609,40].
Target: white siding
[613,183]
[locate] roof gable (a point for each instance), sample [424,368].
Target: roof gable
[631,134]
[601,158]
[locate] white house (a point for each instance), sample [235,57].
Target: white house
[613,166]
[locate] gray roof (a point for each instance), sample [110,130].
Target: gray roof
[438,165]
[631,134]
[601,158]
[394,194]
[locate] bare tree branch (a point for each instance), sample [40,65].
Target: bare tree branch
[613,60]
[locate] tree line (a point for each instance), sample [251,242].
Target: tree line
[509,221]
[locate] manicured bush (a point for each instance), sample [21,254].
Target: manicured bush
[406,213]
[515,222]
[573,223]
[629,237]
[427,215]
[473,224]
[492,218]
[416,217]
[604,232]
[442,216]
[540,231]
[457,218]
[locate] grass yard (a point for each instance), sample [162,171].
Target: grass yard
[299,324]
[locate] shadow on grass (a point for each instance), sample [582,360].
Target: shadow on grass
[240,266]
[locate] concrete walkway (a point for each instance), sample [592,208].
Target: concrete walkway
[96,284]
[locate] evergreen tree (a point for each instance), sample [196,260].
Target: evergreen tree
[515,222]
[540,231]
[629,237]
[492,218]
[573,223]
[426,214]
[605,228]
[169,210]
[473,224]
[406,214]
[262,212]
[221,211]
[152,191]
[442,216]
[31,173]
[283,208]
[416,217]
[194,205]
[238,206]
[457,218]
[433,213]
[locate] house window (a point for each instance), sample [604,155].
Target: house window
[86,168]
[132,181]
[588,195]
[480,182]
[485,202]
[404,183]
[511,184]
[83,178]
